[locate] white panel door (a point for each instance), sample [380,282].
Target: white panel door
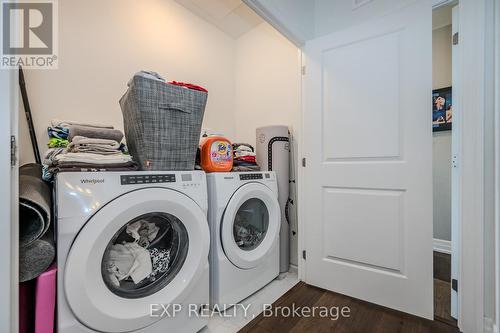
[368,147]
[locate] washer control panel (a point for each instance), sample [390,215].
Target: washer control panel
[147,179]
[251,176]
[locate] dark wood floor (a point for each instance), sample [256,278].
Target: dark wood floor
[442,302]
[442,266]
[364,317]
[442,287]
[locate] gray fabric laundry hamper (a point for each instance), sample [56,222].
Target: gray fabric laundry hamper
[162,123]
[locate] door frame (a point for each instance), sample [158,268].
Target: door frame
[496,52]
[473,71]
[473,25]
[9,103]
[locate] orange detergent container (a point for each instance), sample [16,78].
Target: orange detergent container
[216,154]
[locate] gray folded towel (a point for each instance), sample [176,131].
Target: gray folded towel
[35,258]
[89,167]
[81,144]
[35,202]
[95,132]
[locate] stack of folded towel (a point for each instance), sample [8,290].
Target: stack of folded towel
[77,146]
[244,158]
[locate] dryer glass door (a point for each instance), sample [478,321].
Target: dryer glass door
[146,247]
[250,225]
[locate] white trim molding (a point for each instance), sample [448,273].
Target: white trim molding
[301,263]
[441,3]
[269,15]
[9,234]
[489,326]
[441,245]
[496,79]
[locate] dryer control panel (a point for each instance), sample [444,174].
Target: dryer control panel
[147,179]
[251,176]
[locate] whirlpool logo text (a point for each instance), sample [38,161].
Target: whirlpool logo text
[92,181]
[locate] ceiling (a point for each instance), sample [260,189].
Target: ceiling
[231,16]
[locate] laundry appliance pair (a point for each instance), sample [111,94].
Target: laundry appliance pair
[133,247]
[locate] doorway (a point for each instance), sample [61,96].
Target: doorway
[444,162]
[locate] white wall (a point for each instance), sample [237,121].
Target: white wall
[267,83]
[103,43]
[252,81]
[267,87]
[441,78]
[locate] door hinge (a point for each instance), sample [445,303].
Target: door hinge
[303,70]
[13,151]
[455,38]
[454,285]
[304,254]
[304,162]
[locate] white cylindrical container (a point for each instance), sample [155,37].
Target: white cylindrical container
[273,154]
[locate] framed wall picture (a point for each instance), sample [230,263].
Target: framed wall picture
[442,115]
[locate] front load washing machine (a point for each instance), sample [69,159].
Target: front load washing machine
[244,219]
[132,251]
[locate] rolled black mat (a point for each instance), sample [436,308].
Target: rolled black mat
[35,202]
[35,258]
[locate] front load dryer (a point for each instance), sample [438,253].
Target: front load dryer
[244,219]
[132,251]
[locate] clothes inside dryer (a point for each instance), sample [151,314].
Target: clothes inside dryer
[250,224]
[145,255]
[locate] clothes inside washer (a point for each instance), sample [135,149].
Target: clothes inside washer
[144,255]
[143,232]
[128,260]
[160,259]
[246,235]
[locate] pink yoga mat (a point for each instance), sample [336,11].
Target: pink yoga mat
[27,306]
[45,303]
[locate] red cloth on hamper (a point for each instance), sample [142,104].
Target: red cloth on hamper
[189,85]
[250,159]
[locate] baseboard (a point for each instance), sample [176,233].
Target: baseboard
[496,329]
[442,246]
[489,326]
[293,269]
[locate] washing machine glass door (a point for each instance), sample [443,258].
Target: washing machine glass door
[145,248]
[250,225]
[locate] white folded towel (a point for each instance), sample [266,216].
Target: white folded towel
[243,148]
[244,153]
[93,158]
[67,123]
